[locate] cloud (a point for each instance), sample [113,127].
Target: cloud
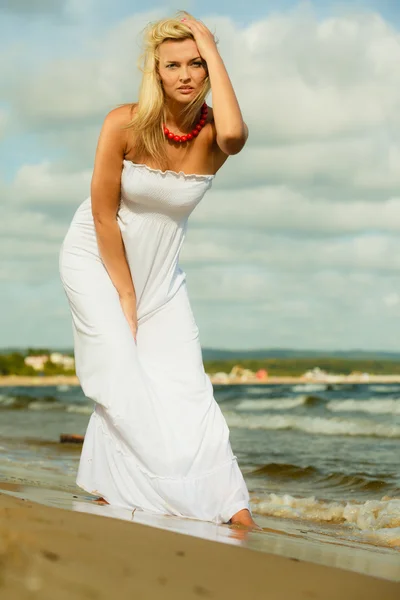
[371,253]
[285,210]
[77,91]
[391,300]
[29,243]
[43,185]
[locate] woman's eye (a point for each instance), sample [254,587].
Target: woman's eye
[197,64]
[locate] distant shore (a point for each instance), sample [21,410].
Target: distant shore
[72,380]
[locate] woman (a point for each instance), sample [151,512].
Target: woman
[157,439]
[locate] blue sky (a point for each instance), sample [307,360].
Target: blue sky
[297,243]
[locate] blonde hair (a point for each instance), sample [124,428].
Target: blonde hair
[147,123]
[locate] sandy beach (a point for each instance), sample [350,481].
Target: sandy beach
[52,553]
[18,380]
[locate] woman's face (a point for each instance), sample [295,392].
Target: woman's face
[181,69]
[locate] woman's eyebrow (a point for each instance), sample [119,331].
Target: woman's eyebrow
[177,61]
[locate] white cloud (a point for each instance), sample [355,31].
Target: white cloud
[374,252]
[283,209]
[392,299]
[42,184]
[75,91]
[316,79]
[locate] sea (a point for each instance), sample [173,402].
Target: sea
[314,453]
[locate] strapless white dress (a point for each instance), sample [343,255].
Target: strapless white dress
[156,440]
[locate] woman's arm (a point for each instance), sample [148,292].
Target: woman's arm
[231,130]
[105,193]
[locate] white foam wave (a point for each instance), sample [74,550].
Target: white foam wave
[390,537]
[373,406]
[6,400]
[309,387]
[275,404]
[70,408]
[257,392]
[378,520]
[44,406]
[315,425]
[384,388]
[79,409]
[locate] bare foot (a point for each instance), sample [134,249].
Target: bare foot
[244,518]
[101,501]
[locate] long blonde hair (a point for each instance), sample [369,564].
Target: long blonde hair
[147,123]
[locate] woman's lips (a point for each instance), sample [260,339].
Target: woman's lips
[185,90]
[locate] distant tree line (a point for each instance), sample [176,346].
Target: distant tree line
[13,364]
[298,366]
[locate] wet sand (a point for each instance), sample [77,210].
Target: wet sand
[48,552]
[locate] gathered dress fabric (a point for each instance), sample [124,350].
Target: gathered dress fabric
[156,440]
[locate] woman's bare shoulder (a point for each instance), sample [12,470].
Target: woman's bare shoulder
[113,137]
[121,115]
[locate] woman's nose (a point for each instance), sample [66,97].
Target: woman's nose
[184,74]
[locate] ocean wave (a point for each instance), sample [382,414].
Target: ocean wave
[63,387]
[80,409]
[355,481]
[309,387]
[278,403]
[385,388]
[44,403]
[22,402]
[257,391]
[313,425]
[6,401]
[40,405]
[373,406]
[284,471]
[377,519]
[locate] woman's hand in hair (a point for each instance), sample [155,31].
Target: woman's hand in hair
[203,37]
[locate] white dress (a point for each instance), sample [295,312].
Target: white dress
[156,440]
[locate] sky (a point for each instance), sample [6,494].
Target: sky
[297,243]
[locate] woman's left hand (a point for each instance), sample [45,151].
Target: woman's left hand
[203,37]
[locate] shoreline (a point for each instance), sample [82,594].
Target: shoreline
[72,380]
[59,552]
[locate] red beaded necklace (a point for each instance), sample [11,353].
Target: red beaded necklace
[194,133]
